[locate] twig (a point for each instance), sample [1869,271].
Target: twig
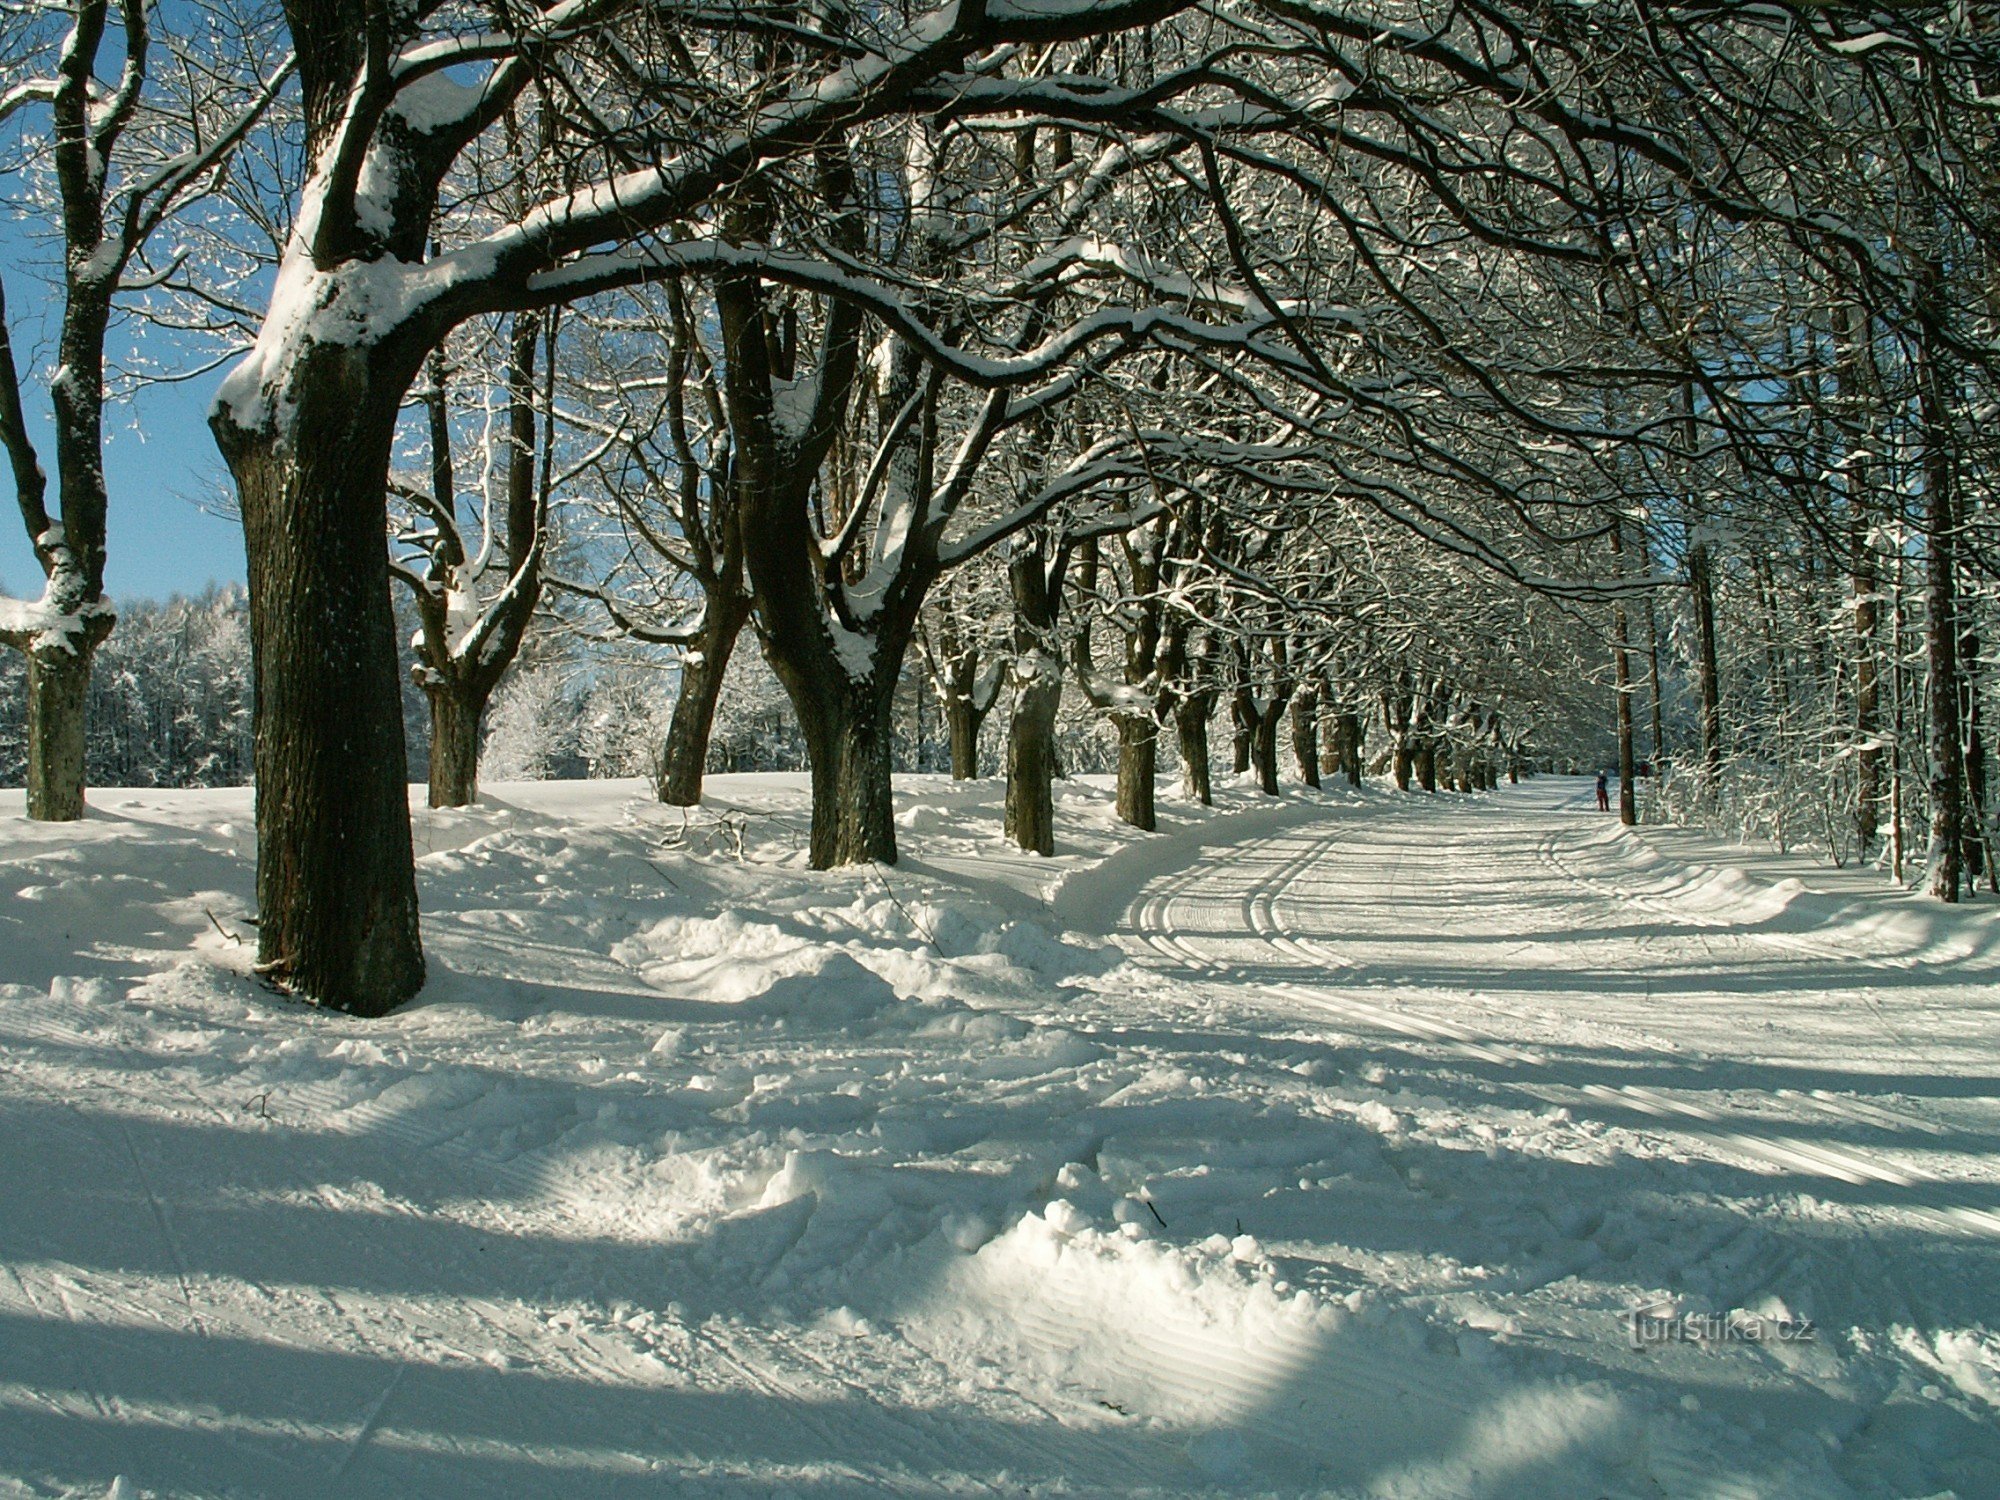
[908,915]
[231,936]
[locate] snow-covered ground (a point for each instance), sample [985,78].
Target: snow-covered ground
[1321,1148]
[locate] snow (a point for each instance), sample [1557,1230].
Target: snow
[50,623]
[1315,1146]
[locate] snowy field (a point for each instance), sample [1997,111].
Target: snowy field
[1321,1147]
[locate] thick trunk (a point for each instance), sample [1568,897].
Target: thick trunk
[684,757]
[58,699]
[1138,763]
[1031,759]
[1405,763]
[1191,731]
[1264,750]
[336,883]
[850,740]
[1305,738]
[455,718]
[853,812]
[1352,729]
[964,720]
[1424,762]
[1239,746]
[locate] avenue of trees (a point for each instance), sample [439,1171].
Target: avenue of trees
[1419,387]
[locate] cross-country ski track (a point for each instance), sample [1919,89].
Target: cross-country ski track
[1311,1148]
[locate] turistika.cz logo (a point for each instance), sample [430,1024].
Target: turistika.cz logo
[1660,1324]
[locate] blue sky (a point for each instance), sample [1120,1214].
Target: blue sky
[159,461]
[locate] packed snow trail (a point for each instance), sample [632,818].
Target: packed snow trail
[1491,935]
[1335,1170]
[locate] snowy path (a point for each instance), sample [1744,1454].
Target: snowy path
[1514,937]
[1334,1171]
[1815,1073]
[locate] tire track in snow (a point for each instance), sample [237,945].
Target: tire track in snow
[1275,876]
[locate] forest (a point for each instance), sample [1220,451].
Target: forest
[1432,390]
[1006,747]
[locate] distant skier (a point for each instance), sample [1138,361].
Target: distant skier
[1603,792]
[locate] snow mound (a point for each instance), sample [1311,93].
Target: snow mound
[837,993]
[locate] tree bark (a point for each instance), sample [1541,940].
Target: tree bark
[1972,833]
[456,714]
[336,881]
[58,705]
[1353,728]
[1264,748]
[849,743]
[1621,664]
[1138,763]
[1305,737]
[684,757]
[1628,806]
[1708,679]
[1424,762]
[1031,759]
[1867,699]
[1941,646]
[1191,718]
[963,720]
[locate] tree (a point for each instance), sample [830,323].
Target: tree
[124,157]
[472,630]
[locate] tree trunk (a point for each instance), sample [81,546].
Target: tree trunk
[1264,749]
[1239,744]
[58,703]
[1138,763]
[1867,699]
[1352,730]
[1305,737]
[1701,583]
[336,881]
[455,720]
[1031,759]
[849,742]
[1972,832]
[1191,718]
[1628,805]
[964,720]
[1621,665]
[1424,762]
[1405,763]
[1947,780]
[684,757]
[1656,708]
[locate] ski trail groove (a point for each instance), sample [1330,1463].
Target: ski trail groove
[1267,881]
